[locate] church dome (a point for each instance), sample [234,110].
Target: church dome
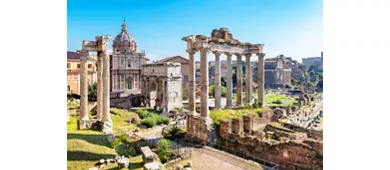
[124,42]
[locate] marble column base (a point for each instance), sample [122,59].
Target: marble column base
[107,127]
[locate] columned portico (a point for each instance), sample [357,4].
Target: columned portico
[239,80]
[221,41]
[248,82]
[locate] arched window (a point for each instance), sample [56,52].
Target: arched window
[68,88]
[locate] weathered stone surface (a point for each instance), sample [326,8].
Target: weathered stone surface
[248,123]
[236,126]
[123,163]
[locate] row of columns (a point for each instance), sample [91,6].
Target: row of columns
[217,80]
[103,87]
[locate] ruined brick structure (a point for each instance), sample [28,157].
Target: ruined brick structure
[285,147]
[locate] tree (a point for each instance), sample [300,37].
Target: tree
[164,149]
[223,82]
[92,91]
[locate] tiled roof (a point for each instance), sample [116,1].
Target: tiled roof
[73,55]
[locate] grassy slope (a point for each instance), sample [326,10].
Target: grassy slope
[86,147]
[286,100]
[229,114]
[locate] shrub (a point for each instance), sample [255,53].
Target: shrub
[143,113]
[176,132]
[164,149]
[116,143]
[154,120]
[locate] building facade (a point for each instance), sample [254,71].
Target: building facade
[126,63]
[73,72]
[317,62]
[277,72]
[162,85]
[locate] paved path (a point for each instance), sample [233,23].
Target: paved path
[206,159]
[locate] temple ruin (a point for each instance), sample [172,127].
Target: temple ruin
[100,45]
[220,42]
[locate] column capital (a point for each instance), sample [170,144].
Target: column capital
[248,55]
[260,54]
[228,54]
[191,51]
[238,54]
[83,53]
[217,53]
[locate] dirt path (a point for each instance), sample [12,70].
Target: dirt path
[206,159]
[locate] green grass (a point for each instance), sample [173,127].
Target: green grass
[229,114]
[86,147]
[285,100]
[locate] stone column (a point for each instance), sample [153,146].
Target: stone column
[217,81]
[191,99]
[204,80]
[107,127]
[99,95]
[229,83]
[239,80]
[260,79]
[248,83]
[83,86]
[164,104]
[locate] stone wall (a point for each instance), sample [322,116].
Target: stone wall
[311,133]
[198,128]
[290,150]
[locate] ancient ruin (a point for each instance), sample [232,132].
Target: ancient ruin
[162,85]
[220,42]
[103,84]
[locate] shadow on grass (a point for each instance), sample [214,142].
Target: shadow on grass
[136,165]
[87,156]
[93,139]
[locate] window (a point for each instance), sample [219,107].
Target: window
[68,65]
[185,78]
[68,88]
[78,65]
[89,65]
[129,64]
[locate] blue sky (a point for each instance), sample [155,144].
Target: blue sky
[292,28]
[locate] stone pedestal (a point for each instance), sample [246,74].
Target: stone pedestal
[248,123]
[224,129]
[236,126]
